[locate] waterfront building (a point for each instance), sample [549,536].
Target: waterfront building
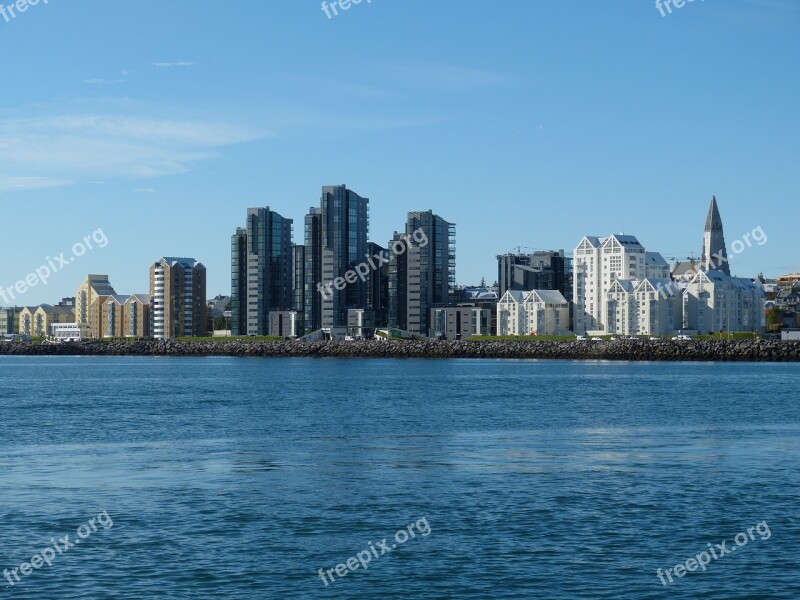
[715,302]
[299,285]
[533,312]
[88,291]
[598,262]
[9,319]
[284,323]
[460,322]
[422,271]
[647,307]
[178,297]
[378,285]
[116,316]
[262,271]
[36,320]
[335,244]
[542,270]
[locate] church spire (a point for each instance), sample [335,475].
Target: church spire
[715,254]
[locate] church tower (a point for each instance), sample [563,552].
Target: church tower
[715,254]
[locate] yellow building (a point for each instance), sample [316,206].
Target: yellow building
[91,288]
[36,320]
[116,316]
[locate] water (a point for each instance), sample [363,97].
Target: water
[241,478]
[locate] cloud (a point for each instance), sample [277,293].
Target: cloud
[171,65]
[17,183]
[96,147]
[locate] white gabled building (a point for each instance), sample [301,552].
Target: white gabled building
[536,312]
[646,307]
[655,266]
[598,264]
[715,302]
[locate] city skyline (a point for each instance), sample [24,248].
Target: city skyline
[297,239]
[572,124]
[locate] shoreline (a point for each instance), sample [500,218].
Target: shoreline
[620,350]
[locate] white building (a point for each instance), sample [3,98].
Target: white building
[646,307]
[598,264]
[715,302]
[537,312]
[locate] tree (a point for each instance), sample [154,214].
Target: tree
[775,316]
[483,282]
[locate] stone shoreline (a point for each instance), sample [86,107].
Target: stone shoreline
[626,350]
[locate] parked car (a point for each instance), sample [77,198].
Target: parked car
[581,338]
[682,338]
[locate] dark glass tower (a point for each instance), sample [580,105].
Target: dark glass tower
[261,271]
[424,276]
[336,242]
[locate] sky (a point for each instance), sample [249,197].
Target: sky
[154,125]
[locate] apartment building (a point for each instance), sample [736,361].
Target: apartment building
[422,271]
[715,302]
[178,298]
[533,312]
[89,290]
[36,320]
[116,316]
[262,271]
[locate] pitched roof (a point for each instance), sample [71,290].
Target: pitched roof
[549,296]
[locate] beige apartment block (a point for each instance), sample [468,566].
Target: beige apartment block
[118,316]
[91,288]
[36,320]
[178,298]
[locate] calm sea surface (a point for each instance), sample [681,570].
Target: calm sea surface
[241,478]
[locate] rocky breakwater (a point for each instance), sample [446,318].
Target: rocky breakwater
[630,350]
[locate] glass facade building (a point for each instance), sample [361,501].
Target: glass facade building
[262,271]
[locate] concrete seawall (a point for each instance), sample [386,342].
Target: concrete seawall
[630,350]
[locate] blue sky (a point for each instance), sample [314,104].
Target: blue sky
[528,123]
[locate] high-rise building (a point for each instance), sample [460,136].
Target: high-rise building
[261,271]
[598,263]
[178,298]
[92,287]
[299,285]
[312,271]
[336,242]
[422,271]
[378,296]
[542,270]
[715,253]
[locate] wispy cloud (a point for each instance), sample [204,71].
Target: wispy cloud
[172,65]
[101,81]
[90,147]
[17,183]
